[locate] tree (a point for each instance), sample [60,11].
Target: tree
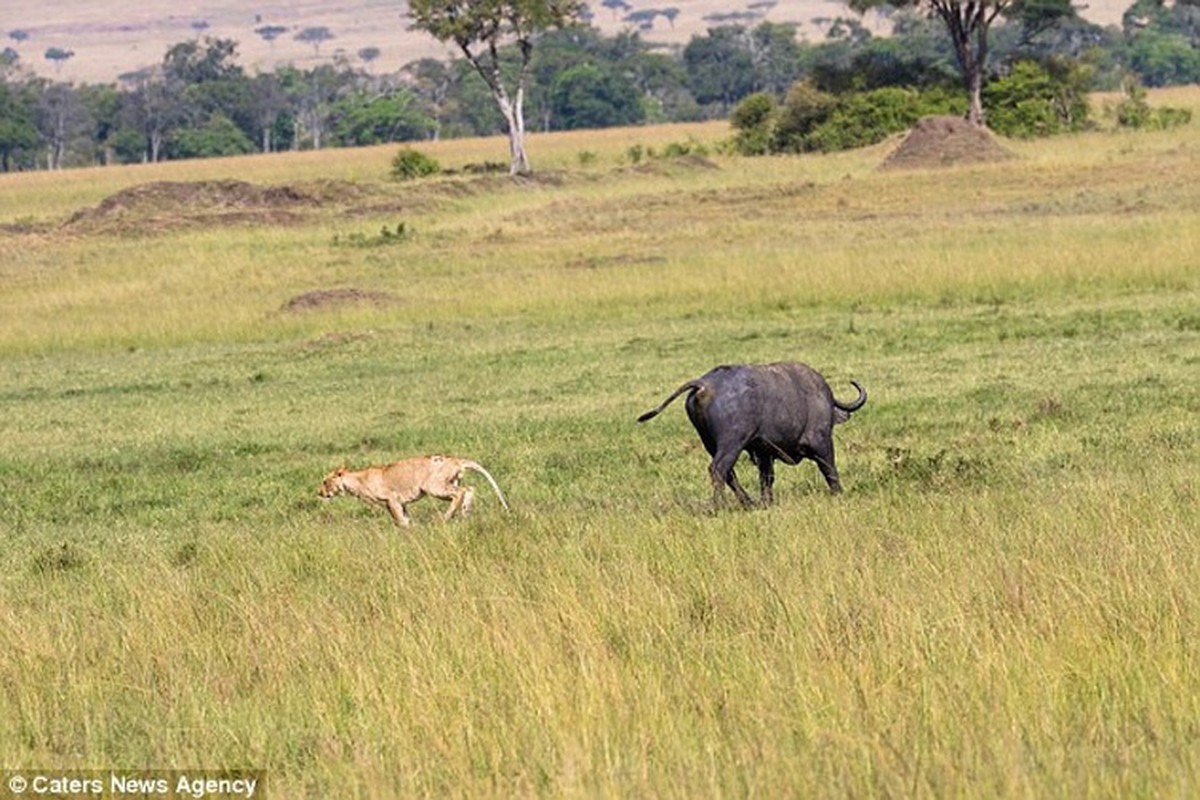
[1163,41]
[312,95]
[152,109]
[478,28]
[968,23]
[642,18]
[211,84]
[720,66]
[18,134]
[587,96]
[315,36]
[202,62]
[615,6]
[269,102]
[270,33]
[392,115]
[61,119]
[59,56]
[103,103]
[369,54]
[218,136]
[776,57]
[433,82]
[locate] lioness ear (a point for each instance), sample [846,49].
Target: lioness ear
[341,471]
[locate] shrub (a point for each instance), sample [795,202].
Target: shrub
[866,118]
[409,164]
[811,119]
[1135,112]
[753,120]
[1034,101]
[691,147]
[804,109]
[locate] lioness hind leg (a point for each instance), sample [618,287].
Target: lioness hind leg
[461,500]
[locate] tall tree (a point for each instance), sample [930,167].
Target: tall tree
[479,28]
[588,96]
[720,66]
[776,57]
[155,109]
[269,103]
[433,82]
[61,118]
[968,23]
[18,133]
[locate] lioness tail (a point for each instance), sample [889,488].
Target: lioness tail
[477,467]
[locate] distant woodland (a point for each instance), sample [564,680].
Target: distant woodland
[200,102]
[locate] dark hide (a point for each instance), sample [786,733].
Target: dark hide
[782,411]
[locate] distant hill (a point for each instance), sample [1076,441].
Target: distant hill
[112,37]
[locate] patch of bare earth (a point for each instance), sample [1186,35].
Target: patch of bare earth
[320,299]
[945,141]
[164,206]
[173,205]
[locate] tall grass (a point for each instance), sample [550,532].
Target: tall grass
[1003,603]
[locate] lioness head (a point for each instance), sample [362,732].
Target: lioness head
[332,486]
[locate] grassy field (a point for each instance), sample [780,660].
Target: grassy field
[1004,602]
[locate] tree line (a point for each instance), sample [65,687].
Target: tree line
[200,102]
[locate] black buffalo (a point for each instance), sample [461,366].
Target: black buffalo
[782,411]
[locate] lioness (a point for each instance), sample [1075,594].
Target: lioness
[396,485]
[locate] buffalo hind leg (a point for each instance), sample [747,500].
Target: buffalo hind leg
[721,471]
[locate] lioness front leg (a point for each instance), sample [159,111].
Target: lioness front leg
[399,513]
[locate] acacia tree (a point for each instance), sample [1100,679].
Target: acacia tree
[479,28]
[968,23]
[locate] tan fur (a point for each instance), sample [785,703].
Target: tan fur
[396,485]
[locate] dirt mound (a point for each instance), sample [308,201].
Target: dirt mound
[944,142]
[330,298]
[169,205]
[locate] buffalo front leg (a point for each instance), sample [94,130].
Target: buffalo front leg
[824,459]
[766,477]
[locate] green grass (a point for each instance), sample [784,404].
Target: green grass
[1004,602]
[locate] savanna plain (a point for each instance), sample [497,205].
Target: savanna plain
[1005,602]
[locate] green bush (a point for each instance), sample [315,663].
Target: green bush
[1135,112]
[865,118]
[804,109]
[409,164]
[813,120]
[1036,100]
[691,147]
[753,120]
